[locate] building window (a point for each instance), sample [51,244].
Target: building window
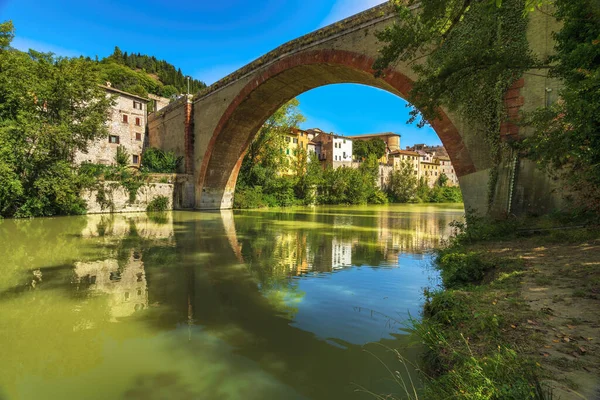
[287,151]
[295,141]
[344,141]
[137,105]
[138,136]
[125,120]
[113,139]
[136,159]
[138,121]
[287,139]
[344,154]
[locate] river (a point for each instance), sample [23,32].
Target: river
[302,303]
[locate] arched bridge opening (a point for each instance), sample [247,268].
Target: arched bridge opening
[281,82]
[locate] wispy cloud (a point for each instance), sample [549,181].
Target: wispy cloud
[24,44]
[346,8]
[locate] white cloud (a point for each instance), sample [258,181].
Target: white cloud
[346,8]
[24,44]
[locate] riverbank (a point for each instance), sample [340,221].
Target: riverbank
[517,317]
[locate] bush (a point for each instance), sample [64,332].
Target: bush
[160,161]
[159,203]
[249,197]
[459,269]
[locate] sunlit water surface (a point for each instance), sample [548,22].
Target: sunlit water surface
[293,304]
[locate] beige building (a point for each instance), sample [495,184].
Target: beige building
[399,157]
[126,127]
[447,169]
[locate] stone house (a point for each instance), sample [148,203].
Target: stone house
[126,126]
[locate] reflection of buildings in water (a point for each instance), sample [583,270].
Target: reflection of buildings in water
[298,253]
[414,233]
[291,250]
[126,287]
[120,225]
[341,253]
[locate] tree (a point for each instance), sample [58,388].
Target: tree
[442,180]
[265,160]
[403,184]
[362,149]
[49,108]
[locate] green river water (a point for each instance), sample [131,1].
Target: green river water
[288,304]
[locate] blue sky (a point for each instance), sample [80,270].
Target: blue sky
[210,39]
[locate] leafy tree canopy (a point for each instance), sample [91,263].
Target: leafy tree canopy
[362,149]
[159,77]
[50,107]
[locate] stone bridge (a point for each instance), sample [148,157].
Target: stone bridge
[212,129]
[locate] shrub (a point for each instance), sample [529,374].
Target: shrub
[249,197]
[459,269]
[159,203]
[159,161]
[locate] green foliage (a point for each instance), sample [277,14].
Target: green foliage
[159,203]
[49,108]
[124,78]
[138,90]
[362,149]
[403,184]
[263,168]
[466,55]
[404,187]
[458,269]
[567,139]
[122,157]
[155,76]
[468,353]
[7,34]
[346,185]
[442,180]
[169,91]
[160,161]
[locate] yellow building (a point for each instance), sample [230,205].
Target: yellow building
[398,157]
[430,170]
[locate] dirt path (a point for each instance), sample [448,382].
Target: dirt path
[561,284]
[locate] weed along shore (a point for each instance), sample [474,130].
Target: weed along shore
[517,314]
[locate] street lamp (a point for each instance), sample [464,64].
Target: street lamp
[188,84]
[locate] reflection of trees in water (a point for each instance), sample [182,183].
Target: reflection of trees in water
[276,246]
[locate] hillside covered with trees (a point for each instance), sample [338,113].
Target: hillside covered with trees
[142,74]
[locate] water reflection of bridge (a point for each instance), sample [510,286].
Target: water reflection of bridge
[249,302]
[230,278]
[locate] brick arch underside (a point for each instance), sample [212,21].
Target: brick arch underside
[281,82]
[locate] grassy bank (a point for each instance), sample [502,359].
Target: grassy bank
[511,322]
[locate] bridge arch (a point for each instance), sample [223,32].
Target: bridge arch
[279,83]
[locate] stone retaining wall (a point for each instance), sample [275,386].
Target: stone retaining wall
[178,188]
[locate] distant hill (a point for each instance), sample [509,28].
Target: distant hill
[142,74]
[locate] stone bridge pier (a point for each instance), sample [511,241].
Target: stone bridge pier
[213,128]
